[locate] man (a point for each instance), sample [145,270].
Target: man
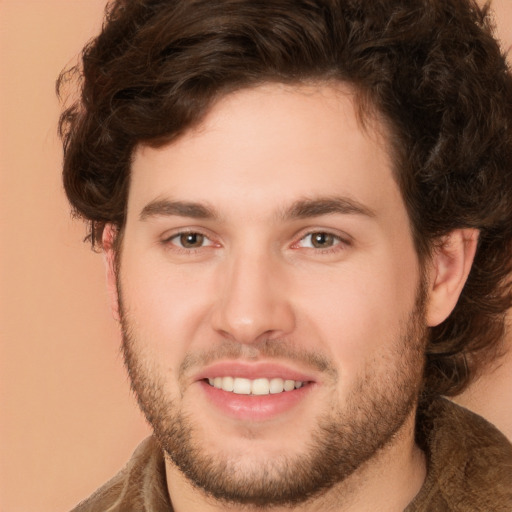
[305,212]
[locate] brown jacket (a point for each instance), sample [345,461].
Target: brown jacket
[469,469]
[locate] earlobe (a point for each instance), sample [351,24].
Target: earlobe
[109,257]
[449,270]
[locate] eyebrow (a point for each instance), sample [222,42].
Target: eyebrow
[316,207]
[167,208]
[301,209]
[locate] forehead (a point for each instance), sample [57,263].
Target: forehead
[260,149]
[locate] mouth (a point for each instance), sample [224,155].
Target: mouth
[255,391]
[256,387]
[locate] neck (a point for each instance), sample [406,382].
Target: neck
[386,483]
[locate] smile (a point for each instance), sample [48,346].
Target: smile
[261,386]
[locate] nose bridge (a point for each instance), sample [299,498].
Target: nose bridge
[252,302]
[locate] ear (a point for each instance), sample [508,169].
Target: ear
[109,258]
[449,270]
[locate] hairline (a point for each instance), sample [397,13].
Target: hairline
[372,121]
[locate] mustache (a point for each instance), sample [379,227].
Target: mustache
[277,349]
[274,349]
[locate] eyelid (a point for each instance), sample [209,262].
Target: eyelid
[343,239]
[176,233]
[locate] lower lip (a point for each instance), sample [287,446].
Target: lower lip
[255,407]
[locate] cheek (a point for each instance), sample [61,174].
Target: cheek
[164,308]
[357,314]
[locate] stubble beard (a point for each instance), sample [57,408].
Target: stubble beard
[347,435]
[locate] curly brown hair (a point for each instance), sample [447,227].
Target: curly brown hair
[430,68]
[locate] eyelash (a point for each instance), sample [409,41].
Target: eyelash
[339,242]
[168,241]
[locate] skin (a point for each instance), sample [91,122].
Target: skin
[253,291]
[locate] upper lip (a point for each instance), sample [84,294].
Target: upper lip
[253,370]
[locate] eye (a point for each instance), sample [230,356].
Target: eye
[319,240]
[189,240]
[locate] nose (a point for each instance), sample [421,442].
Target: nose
[253,303]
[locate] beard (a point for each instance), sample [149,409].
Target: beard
[347,434]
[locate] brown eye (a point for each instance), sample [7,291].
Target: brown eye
[191,240]
[322,240]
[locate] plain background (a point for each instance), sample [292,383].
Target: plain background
[67,419]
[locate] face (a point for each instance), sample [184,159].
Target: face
[270,295]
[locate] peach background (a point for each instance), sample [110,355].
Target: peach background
[67,419]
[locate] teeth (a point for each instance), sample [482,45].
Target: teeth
[260,387]
[276,386]
[289,385]
[241,386]
[228,383]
